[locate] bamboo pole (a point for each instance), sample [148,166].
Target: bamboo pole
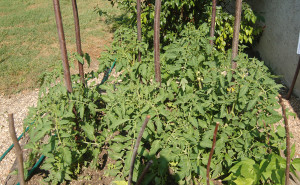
[62,43]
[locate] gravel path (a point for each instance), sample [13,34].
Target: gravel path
[18,105]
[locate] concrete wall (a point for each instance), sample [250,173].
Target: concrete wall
[278,44]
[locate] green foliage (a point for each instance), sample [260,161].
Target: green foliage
[197,91]
[270,170]
[64,127]
[176,14]
[249,31]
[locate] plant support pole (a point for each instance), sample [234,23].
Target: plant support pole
[236,32]
[156,40]
[144,172]
[78,39]
[294,81]
[62,43]
[288,145]
[139,25]
[136,146]
[211,153]
[18,149]
[213,21]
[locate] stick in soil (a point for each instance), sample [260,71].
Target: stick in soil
[294,81]
[288,145]
[136,146]
[139,27]
[78,39]
[236,32]
[18,150]
[144,172]
[211,153]
[213,21]
[156,40]
[62,43]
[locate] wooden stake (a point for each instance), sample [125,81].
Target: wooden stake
[236,32]
[136,146]
[139,26]
[78,39]
[156,40]
[62,43]
[144,172]
[213,21]
[18,150]
[288,144]
[294,81]
[211,153]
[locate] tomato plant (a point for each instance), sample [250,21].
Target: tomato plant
[196,92]
[176,14]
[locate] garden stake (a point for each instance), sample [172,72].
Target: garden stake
[294,81]
[139,27]
[78,39]
[211,153]
[144,172]
[156,40]
[213,21]
[268,137]
[136,146]
[62,43]
[288,145]
[18,149]
[236,32]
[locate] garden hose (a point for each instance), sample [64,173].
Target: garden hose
[11,146]
[37,164]
[105,77]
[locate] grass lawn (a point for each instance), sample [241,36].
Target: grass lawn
[29,41]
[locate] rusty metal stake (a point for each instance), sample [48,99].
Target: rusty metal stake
[139,25]
[136,146]
[213,21]
[288,144]
[78,39]
[211,153]
[294,81]
[18,149]
[156,40]
[236,32]
[62,43]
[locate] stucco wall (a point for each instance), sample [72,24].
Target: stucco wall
[278,44]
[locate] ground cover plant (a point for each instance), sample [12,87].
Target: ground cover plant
[29,42]
[196,92]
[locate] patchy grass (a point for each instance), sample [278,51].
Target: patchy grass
[29,43]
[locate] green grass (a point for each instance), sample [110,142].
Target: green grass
[29,43]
